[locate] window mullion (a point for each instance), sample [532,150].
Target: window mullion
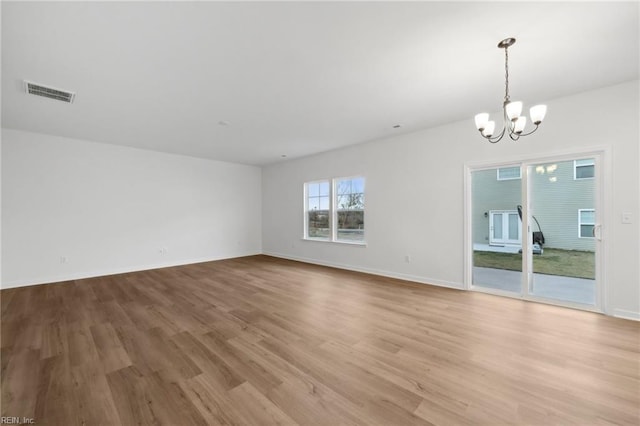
[333,224]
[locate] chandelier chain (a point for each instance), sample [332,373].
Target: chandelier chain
[506,75]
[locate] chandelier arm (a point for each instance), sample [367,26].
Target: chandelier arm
[527,134]
[495,139]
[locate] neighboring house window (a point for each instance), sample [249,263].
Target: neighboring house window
[584,169]
[509,173]
[318,212]
[334,210]
[586,222]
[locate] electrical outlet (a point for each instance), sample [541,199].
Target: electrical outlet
[627,217]
[407,259]
[64,259]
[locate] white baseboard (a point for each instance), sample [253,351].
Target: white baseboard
[397,275]
[622,313]
[113,271]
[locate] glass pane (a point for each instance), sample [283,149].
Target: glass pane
[588,216]
[585,172]
[313,189]
[586,231]
[563,263]
[324,203]
[314,203]
[514,227]
[343,187]
[350,209]
[497,226]
[497,263]
[351,225]
[357,185]
[324,188]
[342,202]
[318,224]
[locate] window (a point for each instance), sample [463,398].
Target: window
[586,222]
[509,173]
[350,209]
[317,207]
[334,210]
[584,169]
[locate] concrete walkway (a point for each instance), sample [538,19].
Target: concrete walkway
[579,290]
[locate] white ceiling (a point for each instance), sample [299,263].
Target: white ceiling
[296,78]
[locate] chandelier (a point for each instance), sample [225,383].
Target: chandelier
[514,123]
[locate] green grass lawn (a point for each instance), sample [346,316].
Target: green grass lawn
[568,263]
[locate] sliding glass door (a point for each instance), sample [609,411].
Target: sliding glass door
[563,209]
[497,229]
[557,202]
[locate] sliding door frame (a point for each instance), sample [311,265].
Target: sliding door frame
[602,181]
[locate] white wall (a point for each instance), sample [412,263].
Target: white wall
[415,193]
[110,209]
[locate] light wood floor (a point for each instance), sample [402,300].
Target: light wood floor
[257,340]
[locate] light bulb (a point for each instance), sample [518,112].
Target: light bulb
[519,125]
[489,128]
[514,109]
[481,120]
[537,113]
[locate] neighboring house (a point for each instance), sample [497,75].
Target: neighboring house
[562,202]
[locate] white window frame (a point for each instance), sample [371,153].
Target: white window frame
[333,211]
[591,163]
[508,178]
[306,210]
[580,223]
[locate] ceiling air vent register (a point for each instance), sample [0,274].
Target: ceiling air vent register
[48,92]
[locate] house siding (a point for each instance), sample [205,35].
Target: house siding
[556,200]
[489,193]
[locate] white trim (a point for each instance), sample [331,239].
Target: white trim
[604,199]
[115,271]
[536,299]
[625,314]
[379,272]
[526,285]
[345,242]
[334,214]
[467,230]
[566,155]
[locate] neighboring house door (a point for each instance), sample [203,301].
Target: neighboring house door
[504,228]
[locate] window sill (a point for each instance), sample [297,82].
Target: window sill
[348,243]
